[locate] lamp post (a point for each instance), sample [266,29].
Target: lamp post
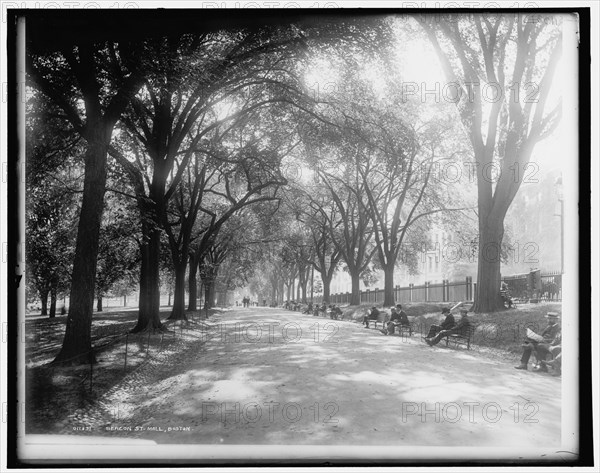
[312,283]
[327,262]
[559,190]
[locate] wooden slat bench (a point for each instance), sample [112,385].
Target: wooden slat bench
[383,318]
[400,330]
[462,338]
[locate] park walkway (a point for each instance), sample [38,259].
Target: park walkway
[270,376]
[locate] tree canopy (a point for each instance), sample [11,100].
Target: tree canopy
[251,152]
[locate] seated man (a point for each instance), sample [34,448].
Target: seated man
[372,314]
[447,324]
[555,363]
[460,327]
[323,309]
[334,312]
[309,308]
[548,336]
[551,350]
[505,294]
[398,319]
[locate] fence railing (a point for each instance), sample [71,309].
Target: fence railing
[535,285]
[521,286]
[446,291]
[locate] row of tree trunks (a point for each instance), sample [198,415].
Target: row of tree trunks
[304,275]
[52,292]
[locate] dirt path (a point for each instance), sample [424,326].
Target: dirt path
[269,376]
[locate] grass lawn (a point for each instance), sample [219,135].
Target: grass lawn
[54,392]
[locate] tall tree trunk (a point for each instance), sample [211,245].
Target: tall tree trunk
[326,278]
[178,312]
[274,286]
[488,267]
[303,287]
[77,343]
[124,300]
[355,296]
[52,302]
[209,293]
[193,284]
[99,304]
[304,275]
[149,305]
[388,297]
[144,295]
[280,292]
[44,299]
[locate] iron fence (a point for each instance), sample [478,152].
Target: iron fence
[534,285]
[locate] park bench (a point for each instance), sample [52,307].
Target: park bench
[382,318]
[463,337]
[400,330]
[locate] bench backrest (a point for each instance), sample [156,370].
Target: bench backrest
[382,317]
[467,331]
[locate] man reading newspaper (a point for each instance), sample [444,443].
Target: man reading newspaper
[533,340]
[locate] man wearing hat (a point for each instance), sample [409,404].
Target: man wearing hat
[398,318]
[462,325]
[447,324]
[372,314]
[550,335]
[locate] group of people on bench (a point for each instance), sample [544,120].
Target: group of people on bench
[546,347]
[334,311]
[448,327]
[398,319]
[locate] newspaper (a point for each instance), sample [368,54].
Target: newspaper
[534,336]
